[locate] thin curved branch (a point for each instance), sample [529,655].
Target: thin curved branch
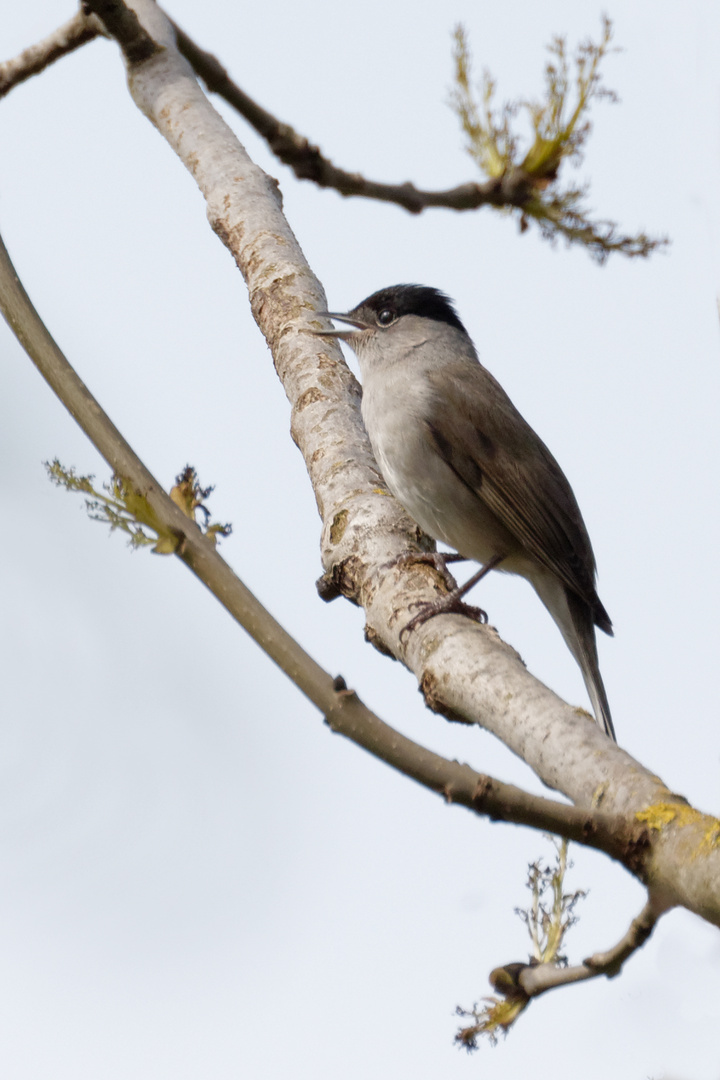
[294,150]
[68,37]
[519,983]
[538,979]
[309,163]
[514,188]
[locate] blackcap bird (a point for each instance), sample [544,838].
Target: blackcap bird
[459,457]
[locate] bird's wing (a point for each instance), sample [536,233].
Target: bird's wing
[486,442]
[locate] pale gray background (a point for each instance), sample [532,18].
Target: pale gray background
[196,878]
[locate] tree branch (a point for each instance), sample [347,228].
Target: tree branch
[121,22]
[465,671]
[519,185]
[514,187]
[292,149]
[68,37]
[519,983]
[308,162]
[538,979]
[343,710]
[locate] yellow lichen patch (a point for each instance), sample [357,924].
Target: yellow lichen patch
[661,814]
[711,839]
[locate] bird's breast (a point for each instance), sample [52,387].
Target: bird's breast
[396,412]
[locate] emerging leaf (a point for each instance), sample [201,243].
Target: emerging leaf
[560,127]
[123,508]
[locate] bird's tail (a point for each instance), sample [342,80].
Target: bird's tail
[576,623]
[584,649]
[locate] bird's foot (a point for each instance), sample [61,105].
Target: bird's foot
[447,605]
[437,559]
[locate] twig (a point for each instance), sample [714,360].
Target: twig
[538,979]
[514,188]
[515,185]
[518,983]
[68,37]
[294,150]
[308,162]
[121,21]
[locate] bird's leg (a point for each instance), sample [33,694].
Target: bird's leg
[437,559]
[453,604]
[489,565]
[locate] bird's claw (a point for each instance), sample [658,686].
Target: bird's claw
[437,559]
[448,605]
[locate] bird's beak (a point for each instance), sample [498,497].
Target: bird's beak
[342,335]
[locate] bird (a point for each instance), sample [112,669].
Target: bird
[466,466]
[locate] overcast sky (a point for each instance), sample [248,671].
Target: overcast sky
[196,878]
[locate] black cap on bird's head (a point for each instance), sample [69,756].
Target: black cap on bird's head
[385,307]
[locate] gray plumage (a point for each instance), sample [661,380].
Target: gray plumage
[460,458]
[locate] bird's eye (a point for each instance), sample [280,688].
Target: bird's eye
[386,317]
